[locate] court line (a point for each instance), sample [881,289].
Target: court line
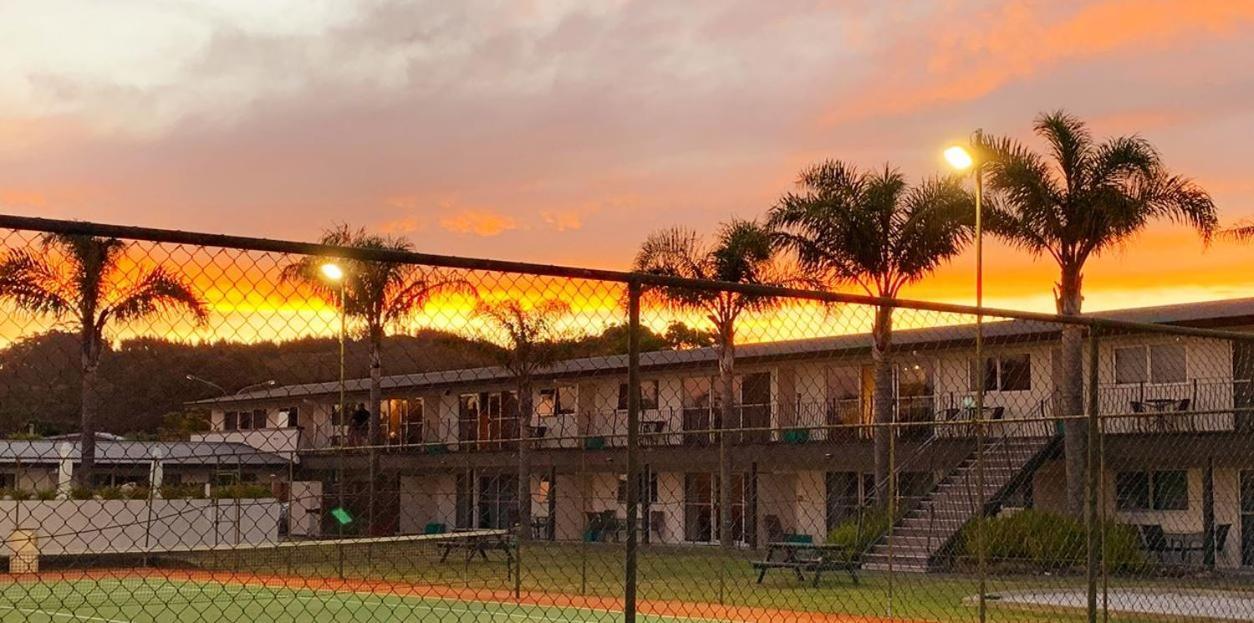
[72,615]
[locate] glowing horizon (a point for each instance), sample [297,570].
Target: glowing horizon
[566,133]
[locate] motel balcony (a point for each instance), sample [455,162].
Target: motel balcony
[1196,406]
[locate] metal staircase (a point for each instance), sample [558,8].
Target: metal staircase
[928,526]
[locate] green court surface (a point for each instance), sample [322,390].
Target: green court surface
[168,601]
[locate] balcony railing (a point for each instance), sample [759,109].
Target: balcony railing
[1195,406]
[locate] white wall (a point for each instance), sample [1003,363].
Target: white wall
[427,499]
[120,526]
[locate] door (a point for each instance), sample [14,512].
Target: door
[867,395]
[1243,384]
[697,403]
[755,406]
[498,501]
[468,421]
[914,399]
[699,508]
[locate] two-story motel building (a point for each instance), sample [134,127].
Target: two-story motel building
[1179,448]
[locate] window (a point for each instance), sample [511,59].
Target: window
[1157,363]
[697,393]
[1167,363]
[1160,491]
[230,420]
[1171,491]
[556,401]
[251,420]
[291,416]
[1003,373]
[547,406]
[648,396]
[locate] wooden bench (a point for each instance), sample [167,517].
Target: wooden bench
[803,558]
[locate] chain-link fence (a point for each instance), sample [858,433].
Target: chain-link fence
[211,428]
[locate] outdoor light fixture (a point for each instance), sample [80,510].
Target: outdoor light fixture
[332,271]
[959,158]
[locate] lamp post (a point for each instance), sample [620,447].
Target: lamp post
[223,390]
[963,158]
[334,275]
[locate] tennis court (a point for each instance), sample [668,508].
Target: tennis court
[170,599]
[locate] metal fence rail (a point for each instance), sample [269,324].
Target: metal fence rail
[456,439]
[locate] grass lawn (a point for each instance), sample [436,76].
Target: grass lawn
[557,580]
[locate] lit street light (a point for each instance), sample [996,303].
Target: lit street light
[332,272]
[335,275]
[961,159]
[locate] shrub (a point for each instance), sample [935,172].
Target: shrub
[80,493]
[14,494]
[1047,541]
[241,491]
[182,492]
[110,493]
[858,532]
[45,495]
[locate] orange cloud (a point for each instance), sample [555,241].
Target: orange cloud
[478,222]
[563,220]
[1021,40]
[12,198]
[403,225]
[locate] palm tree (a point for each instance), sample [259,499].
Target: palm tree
[1086,197]
[533,339]
[1240,232]
[741,253]
[379,294]
[80,278]
[873,230]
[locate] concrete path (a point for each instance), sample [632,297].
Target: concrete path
[1213,605]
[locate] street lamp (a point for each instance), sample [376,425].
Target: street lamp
[223,390]
[962,158]
[333,274]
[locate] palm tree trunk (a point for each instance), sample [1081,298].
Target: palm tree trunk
[1070,398]
[376,389]
[882,402]
[524,460]
[727,422]
[89,396]
[373,439]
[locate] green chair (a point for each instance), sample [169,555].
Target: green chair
[434,527]
[796,435]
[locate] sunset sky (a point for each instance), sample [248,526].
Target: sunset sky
[565,131]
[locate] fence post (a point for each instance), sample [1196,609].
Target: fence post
[1091,526]
[633,446]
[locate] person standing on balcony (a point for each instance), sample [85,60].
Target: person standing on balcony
[360,426]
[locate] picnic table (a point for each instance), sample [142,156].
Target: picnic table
[477,542]
[803,558]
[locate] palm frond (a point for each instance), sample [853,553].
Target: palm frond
[415,294]
[33,284]
[1182,200]
[1069,141]
[1240,232]
[157,291]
